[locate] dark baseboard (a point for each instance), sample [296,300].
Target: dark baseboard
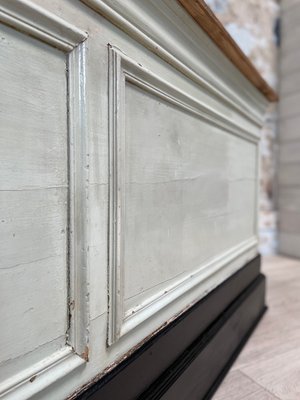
[189,358]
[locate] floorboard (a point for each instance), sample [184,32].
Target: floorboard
[238,386]
[268,368]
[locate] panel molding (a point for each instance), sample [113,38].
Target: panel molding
[33,20]
[37,377]
[36,22]
[78,201]
[122,69]
[188,344]
[125,18]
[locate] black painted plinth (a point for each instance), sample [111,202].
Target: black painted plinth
[190,357]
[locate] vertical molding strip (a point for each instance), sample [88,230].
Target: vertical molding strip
[116,177]
[78,200]
[30,19]
[122,69]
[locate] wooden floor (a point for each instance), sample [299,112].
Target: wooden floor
[269,366]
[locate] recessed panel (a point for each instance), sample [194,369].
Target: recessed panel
[33,194]
[190,194]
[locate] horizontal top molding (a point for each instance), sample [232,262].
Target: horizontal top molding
[33,20]
[204,17]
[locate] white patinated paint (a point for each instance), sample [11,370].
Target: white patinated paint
[161,176]
[129,179]
[40,202]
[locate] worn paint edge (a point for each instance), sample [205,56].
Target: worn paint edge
[122,68]
[117,366]
[123,23]
[78,170]
[28,18]
[37,377]
[150,82]
[137,316]
[206,342]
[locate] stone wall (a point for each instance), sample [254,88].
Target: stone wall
[252,23]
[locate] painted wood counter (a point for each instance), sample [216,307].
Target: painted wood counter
[129,182]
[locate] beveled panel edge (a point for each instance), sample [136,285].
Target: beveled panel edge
[122,69]
[149,81]
[193,280]
[78,332]
[103,7]
[155,355]
[27,17]
[30,19]
[37,377]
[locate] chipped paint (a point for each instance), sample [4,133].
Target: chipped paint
[85,354]
[117,362]
[33,378]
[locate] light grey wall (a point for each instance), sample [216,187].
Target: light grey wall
[289,132]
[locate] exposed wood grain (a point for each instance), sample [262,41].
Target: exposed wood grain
[203,15]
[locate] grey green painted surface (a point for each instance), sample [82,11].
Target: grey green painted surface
[251,23]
